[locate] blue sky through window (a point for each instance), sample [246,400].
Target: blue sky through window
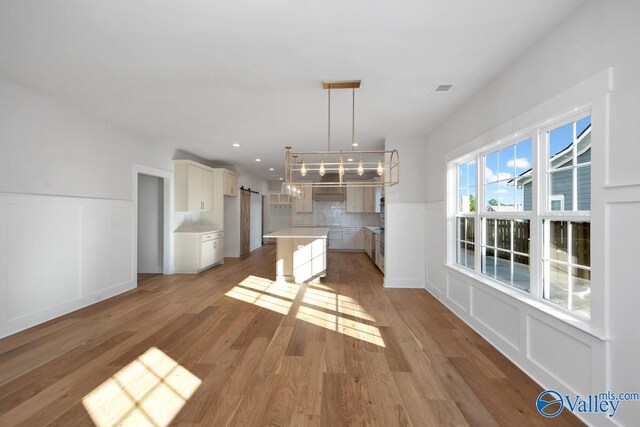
[500,169]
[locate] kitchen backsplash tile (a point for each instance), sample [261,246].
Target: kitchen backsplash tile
[335,213]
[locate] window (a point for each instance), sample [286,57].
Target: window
[465,206]
[513,203]
[567,234]
[505,251]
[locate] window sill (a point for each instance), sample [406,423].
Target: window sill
[541,306]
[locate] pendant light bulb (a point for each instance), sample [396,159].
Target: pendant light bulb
[321,171]
[360,168]
[303,169]
[380,170]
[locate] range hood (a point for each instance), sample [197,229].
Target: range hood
[329,194]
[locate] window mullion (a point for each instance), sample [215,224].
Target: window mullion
[512,255]
[536,246]
[569,266]
[478,224]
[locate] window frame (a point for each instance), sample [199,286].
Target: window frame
[539,215]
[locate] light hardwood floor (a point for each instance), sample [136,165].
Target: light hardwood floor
[229,346]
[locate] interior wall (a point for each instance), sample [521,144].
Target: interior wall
[150,223]
[405,216]
[232,213]
[50,148]
[558,355]
[65,206]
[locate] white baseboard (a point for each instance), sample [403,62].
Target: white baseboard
[12,327]
[390,282]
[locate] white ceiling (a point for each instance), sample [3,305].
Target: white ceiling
[199,75]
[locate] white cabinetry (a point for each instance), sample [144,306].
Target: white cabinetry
[280,199]
[335,238]
[197,251]
[371,199]
[360,238]
[363,199]
[379,261]
[304,203]
[230,183]
[349,238]
[193,187]
[355,199]
[368,240]
[207,256]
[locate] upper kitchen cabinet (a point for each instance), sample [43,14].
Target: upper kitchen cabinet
[363,199]
[230,180]
[355,199]
[193,186]
[371,199]
[304,203]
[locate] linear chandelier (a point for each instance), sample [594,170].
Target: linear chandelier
[336,168]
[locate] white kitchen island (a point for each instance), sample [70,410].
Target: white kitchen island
[301,253]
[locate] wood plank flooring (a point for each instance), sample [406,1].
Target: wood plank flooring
[231,347]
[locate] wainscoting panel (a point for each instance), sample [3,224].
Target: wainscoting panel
[106,241]
[58,254]
[458,291]
[560,354]
[43,262]
[499,317]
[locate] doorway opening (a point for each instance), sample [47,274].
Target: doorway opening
[153,221]
[150,227]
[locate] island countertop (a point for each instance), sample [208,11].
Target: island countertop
[300,233]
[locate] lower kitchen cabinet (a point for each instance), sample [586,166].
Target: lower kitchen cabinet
[368,241]
[335,238]
[197,251]
[349,238]
[379,261]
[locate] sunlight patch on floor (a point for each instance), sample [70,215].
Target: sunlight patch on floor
[329,310]
[342,325]
[274,296]
[151,390]
[340,303]
[281,289]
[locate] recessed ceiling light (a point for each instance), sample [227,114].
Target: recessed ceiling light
[349,160]
[258,160]
[280,178]
[355,144]
[271,169]
[236,145]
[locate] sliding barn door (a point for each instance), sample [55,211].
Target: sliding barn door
[245,222]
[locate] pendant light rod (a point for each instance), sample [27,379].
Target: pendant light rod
[353,117]
[329,119]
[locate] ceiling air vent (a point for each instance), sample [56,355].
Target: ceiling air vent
[443,88]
